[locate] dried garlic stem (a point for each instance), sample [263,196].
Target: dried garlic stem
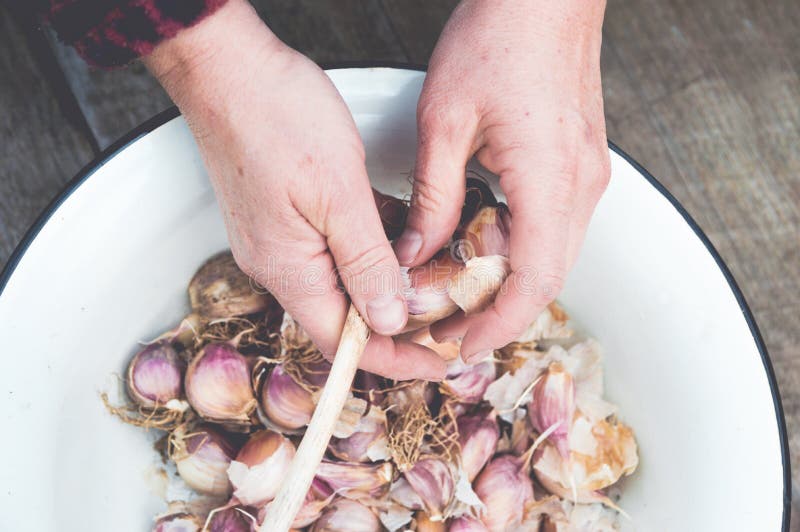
[311,450]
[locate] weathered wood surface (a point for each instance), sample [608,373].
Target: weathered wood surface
[706,95]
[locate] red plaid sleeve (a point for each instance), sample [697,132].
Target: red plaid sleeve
[111,33]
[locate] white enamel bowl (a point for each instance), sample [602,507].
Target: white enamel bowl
[107,264]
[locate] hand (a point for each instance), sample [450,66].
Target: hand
[516,82]
[287,165]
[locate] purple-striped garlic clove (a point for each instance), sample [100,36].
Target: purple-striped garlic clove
[478,435]
[346,515]
[155,377]
[355,481]
[178,522]
[435,483]
[260,467]
[553,405]
[202,458]
[505,488]
[284,402]
[467,383]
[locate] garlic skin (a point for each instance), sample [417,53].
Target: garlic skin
[155,375]
[466,523]
[318,498]
[356,481]
[219,289]
[487,233]
[260,467]
[505,489]
[284,402]
[478,435]
[180,522]
[468,383]
[433,480]
[218,385]
[426,524]
[345,515]
[426,290]
[554,404]
[367,444]
[202,458]
[232,519]
[447,350]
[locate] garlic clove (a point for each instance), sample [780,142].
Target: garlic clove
[478,435]
[505,489]
[202,458]
[425,523]
[356,481]
[466,523]
[232,519]
[260,467]
[447,350]
[554,404]
[284,402]
[178,522]
[219,289]
[468,383]
[345,515]
[368,443]
[402,493]
[426,290]
[155,375]
[475,286]
[434,481]
[319,496]
[218,385]
[487,233]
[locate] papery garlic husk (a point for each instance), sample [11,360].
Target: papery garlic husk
[155,377]
[426,289]
[368,443]
[478,435]
[260,467]
[424,523]
[448,350]
[202,457]
[468,383]
[232,519]
[284,402]
[505,488]
[178,522]
[434,481]
[345,515]
[601,454]
[554,405]
[356,481]
[220,289]
[551,324]
[218,385]
[466,523]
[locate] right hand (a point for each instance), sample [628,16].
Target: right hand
[287,165]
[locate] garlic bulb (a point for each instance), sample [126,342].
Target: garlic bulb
[478,435]
[345,515]
[220,289]
[260,467]
[155,376]
[434,481]
[466,523]
[285,403]
[467,383]
[554,405]
[179,522]
[505,489]
[218,385]
[202,458]
[356,481]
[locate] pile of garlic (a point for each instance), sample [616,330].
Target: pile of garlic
[521,441]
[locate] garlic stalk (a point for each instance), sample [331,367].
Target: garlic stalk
[202,457]
[260,467]
[218,385]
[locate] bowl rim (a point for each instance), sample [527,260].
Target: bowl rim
[169,114]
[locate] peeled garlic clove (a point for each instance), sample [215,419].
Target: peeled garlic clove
[554,404]
[260,467]
[285,403]
[180,522]
[478,435]
[356,480]
[202,458]
[218,385]
[505,489]
[433,480]
[467,383]
[368,443]
[345,515]
[466,523]
[155,375]
[426,524]
[220,289]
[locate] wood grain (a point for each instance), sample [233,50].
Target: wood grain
[39,149]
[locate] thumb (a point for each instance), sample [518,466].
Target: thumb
[445,140]
[365,261]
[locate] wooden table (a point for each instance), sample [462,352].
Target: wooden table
[706,95]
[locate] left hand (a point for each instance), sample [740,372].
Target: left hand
[516,83]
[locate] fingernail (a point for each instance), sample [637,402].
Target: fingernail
[407,246]
[480,356]
[387,314]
